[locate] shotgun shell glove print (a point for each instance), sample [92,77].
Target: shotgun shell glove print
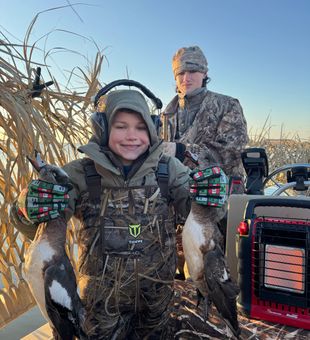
[209,186]
[42,201]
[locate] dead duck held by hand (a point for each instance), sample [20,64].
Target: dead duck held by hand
[202,239]
[49,271]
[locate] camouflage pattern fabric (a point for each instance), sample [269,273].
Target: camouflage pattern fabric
[189,59]
[127,262]
[187,322]
[212,125]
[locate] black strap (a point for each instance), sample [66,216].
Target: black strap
[129,82]
[180,151]
[163,176]
[93,179]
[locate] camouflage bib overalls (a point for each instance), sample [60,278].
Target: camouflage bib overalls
[128,264]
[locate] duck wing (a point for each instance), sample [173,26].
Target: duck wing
[63,304]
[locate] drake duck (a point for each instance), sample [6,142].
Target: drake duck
[206,263]
[49,271]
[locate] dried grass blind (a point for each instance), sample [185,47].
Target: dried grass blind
[55,124]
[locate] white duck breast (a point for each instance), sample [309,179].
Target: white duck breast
[37,255]
[193,238]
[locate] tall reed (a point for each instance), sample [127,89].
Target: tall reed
[54,123]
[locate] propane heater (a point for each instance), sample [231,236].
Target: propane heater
[274,264]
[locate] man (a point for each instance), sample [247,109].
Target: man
[209,125]
[202,119]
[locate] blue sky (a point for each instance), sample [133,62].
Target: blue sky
[258,51]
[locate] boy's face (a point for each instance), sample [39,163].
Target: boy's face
[189,81]
[129,137]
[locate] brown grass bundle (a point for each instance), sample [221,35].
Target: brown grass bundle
[55,124]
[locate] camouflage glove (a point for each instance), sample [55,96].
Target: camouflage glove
[42,201]
[209,186]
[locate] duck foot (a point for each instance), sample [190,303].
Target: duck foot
[207,302]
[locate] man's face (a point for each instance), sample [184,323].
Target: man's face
[129,137]
[189,81]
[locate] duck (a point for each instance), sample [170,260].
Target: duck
[48,270]
[202,243]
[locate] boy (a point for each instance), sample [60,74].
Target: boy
[127,256]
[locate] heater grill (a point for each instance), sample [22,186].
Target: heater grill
[284,268]
[280,255]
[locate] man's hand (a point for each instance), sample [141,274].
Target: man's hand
[209,186]
[42,201]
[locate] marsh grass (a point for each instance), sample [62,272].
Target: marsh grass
[286,149]
[54,124]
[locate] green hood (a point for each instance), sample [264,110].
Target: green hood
[117,100]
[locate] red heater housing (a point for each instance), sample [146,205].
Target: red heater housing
[274,266]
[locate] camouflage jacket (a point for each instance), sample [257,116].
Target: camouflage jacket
[126,241]
[211,125]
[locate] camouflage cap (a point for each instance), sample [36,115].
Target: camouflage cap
[189,59]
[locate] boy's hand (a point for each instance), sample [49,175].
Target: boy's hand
[42,201]
[209,186]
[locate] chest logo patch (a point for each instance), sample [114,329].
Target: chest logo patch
[134,230]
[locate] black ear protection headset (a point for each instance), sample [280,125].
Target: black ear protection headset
[98,119]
